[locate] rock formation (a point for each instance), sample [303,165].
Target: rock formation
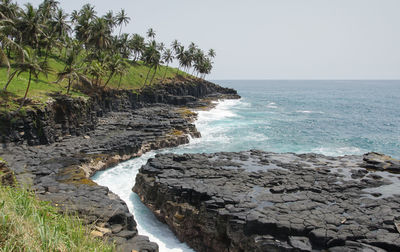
[262,201]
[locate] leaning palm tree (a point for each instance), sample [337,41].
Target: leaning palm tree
[121,70]
[7,42]
[122,18]
[113,65]
[167,57]
[151,58]
[33,67]
[72,71]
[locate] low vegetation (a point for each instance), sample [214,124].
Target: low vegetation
[27,224]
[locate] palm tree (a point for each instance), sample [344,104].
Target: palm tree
[151,58]
[71,71]
[113,65]
[96,70]
[74,16]
[122,69]
[48,9]
[122,18]
[211,53]
[122,45]
[161,46]
[61,26]
[167,57]
[8,10]
[110,19]
[99,34]
[30,26]
[179,54]
[137,45]
[33,67]
[6,41]
[83,19]
[175,46]
[151,33]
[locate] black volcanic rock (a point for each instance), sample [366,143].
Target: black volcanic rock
[54,150]
[262,201]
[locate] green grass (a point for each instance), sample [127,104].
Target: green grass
[137,73]
[41,88]
[27,224]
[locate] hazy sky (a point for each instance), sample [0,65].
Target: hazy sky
[275,39]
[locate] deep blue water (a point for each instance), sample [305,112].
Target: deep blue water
[327,117]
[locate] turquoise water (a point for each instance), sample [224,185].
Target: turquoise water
[327,117]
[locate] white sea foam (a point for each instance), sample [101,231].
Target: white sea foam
[309,112]
[272,105]
[120,180]
[222,110]
[338,151]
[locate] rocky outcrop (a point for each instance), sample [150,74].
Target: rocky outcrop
[60,172]
[65,116]
[263,201]
[85,136]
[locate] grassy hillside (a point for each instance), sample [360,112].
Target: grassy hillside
[27,224]
[41,88]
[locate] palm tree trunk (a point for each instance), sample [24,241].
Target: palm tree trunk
[165,74]
[120,29]
[144,84]
[47,53]
[155,71]
[9,80]
[109,78]
[119,82]
[69,85]
[27,90]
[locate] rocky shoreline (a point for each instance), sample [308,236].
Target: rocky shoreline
[263,201]
[54,150]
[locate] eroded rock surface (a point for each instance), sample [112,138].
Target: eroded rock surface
[262,201]
[60,172]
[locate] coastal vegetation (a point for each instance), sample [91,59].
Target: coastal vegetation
[45,50]
[27,224]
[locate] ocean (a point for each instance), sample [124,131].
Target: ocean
[327,117]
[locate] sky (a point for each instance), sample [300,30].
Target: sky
[274,39]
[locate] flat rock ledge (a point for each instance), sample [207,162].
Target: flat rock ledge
[263,201]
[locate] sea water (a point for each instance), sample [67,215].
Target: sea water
[328,117]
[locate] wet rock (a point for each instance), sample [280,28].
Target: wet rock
[263,201]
